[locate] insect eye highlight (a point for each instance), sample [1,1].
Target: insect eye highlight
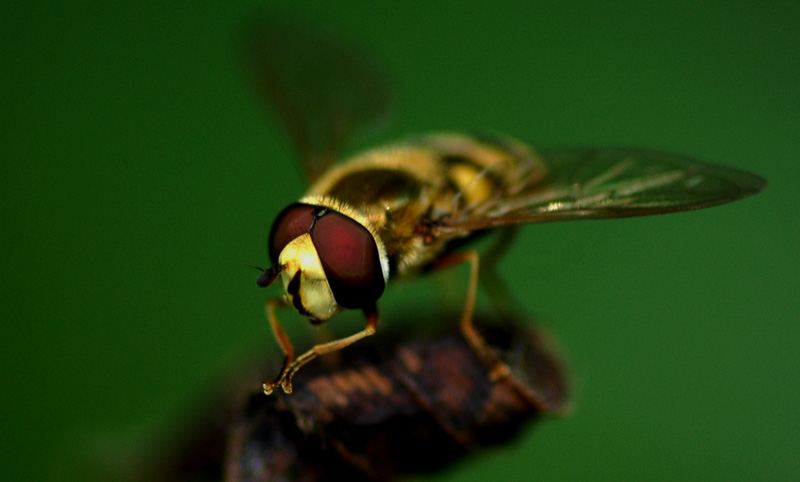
[349,255]
[294,220]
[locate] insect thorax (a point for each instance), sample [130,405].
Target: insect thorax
[404,190]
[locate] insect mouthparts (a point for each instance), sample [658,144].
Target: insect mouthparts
[268,276]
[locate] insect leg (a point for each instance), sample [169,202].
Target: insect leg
[282,339]
[505,303]
[498,369]
[323,348]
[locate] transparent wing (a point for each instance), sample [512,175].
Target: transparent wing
[321,90]
[611,183]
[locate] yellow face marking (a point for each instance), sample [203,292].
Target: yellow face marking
[315,292]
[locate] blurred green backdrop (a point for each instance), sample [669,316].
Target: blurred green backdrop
[141,175]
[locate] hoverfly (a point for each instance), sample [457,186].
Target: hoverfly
[398,210]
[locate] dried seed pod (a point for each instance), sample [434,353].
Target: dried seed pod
[385,409]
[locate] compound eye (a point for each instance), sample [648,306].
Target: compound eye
[349,256]
[295,220]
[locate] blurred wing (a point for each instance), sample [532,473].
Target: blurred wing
[321,90]
[611,183]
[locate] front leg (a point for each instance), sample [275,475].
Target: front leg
[283,341]
[290,367]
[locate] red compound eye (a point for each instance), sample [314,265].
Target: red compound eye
[349,256]
[293,221]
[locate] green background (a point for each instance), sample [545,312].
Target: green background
[140,176]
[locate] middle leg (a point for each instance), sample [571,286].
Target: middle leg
[497,368]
